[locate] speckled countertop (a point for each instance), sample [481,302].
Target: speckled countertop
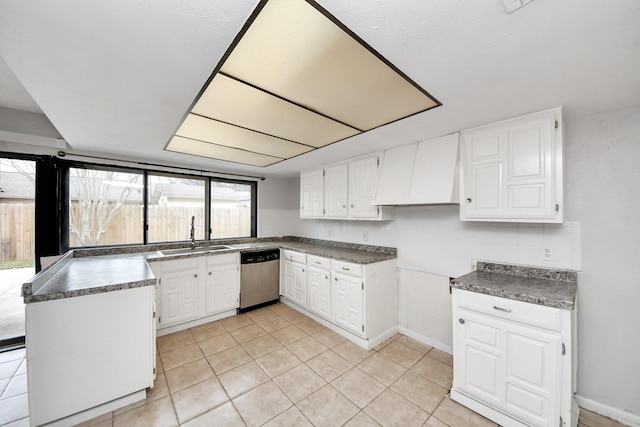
[90,271]
[553,288]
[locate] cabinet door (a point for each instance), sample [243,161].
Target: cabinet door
[179,294]
[532,375]
[289,280]
[319,285]
[511,367]
[478,355]
[299,285]
[311,193]
[363,176]
[223,288]
[346,302]
[335,191]
[512,170]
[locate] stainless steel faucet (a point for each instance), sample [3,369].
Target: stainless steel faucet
[193,232]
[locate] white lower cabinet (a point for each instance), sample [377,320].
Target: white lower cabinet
[88,355]
[358,301]
[223,283]
[196,289]
[513,360]
[295,279]
[319,286]
[179,291]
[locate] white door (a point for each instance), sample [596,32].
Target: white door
[319,285]
[512,170]
[335,191]
[299,285]
[478,355]
[289,280]
[513,367]
[223,288]
[363,175]
[532,375]
[347,302]
[311,193]
[179,290]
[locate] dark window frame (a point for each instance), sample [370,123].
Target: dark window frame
[64,201]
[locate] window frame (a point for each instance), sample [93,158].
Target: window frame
[64,197]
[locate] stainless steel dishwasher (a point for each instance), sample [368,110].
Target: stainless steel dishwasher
[259,279]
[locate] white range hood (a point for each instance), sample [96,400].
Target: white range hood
[421,173]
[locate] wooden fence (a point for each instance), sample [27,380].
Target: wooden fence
[166,224]
[17,231]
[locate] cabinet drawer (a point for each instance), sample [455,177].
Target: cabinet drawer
[222,259]
[318,262]
[296,257]
[346,268]
[517,311]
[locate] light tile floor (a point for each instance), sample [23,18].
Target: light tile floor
[275,367]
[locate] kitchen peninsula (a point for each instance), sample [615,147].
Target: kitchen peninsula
[93,314]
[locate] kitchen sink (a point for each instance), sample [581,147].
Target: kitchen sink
[210,248]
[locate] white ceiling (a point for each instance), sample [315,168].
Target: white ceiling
[116,77]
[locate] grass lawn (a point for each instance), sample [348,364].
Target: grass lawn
[19,263]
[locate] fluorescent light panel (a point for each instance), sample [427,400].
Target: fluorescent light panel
[294,80]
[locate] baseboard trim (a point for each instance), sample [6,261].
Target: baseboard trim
[619,415]
[426,340]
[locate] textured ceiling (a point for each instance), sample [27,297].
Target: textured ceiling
[116,78]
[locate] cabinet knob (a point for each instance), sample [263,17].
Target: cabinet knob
[468,200]
[353,206]
[303,270]
[209,273]
[195,275]
[326,277]
[336,279]
[461,321]
[344,206]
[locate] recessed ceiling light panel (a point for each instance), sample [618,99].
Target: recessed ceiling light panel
[296,79]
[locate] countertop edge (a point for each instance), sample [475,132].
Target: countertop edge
[88,291]
[516,296]
[152,254]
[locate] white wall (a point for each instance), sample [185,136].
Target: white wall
[603,193]
[278,207]
[600,238]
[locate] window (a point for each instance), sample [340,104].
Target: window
[172,202]
[105,207]
[231,204]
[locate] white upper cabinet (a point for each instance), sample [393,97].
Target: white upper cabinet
[420,173]
[312,193]
[363,174]
[335,190]
[512,171]
[343,191]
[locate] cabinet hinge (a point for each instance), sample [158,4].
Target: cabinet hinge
[378,161]
[324,172]
[154,314]
[557,207]
[324,211]
[556,124]
[154,371]
[159,281]
[159,319]
[362,328]
[564,349]
[363,286]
